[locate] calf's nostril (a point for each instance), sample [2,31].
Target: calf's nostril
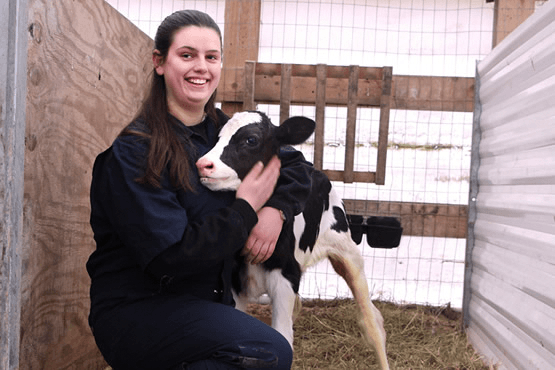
[205,166]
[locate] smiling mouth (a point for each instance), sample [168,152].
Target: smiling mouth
[197,81]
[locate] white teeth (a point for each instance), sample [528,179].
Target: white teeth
[197,81]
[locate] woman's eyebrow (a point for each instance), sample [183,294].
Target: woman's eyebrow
[187,47]
[196,50]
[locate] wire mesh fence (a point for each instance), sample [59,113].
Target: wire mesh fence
[428,158]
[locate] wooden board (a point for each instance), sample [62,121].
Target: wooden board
[407,92]
[87,68]
[321,76]
[385,107]
[285,93]
[453,94]
[241,39]
[508,15]
[248,93]
[417,219]
[352,104]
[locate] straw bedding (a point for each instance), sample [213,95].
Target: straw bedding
[418,337]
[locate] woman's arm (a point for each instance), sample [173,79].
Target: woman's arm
[255,189]
[288,200]
[149,221]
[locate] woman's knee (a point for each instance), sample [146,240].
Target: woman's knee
[271,352]
[284,354]
[270,346]
[258,345]
[275,355]
[249,358]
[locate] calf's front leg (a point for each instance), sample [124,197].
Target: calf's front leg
[284,301]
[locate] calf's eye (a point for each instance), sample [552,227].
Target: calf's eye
[252,141]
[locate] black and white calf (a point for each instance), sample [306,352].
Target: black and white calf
[320,231]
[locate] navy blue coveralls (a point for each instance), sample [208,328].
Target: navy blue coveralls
[161,272]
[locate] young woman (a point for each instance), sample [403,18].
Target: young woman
[166,246]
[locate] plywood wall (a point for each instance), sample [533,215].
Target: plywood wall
[87,68]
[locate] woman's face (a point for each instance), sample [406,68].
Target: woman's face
[192,68]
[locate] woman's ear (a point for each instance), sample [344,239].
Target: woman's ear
[158,61]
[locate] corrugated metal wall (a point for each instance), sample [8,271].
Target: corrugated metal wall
[510,288]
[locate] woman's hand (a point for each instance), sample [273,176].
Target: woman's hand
[264,236]
[259,184]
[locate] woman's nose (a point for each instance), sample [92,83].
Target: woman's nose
[200,65]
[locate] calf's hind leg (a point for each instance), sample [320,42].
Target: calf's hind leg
[350,266]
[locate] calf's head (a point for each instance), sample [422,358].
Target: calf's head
[248,137]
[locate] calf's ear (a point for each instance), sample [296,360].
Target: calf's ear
[295,130]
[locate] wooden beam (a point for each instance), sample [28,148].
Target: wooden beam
[357,176]
[385,105]
[407,92]
[248,93]
[352,104]
[417,219]
[321,75]
[508,15]
[241,39]
[454,94]
[285,93]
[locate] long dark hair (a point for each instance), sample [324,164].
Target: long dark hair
[166,149]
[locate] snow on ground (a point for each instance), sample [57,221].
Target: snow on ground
[421,270]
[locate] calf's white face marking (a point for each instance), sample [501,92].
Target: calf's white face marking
[214,173]
[247,138]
